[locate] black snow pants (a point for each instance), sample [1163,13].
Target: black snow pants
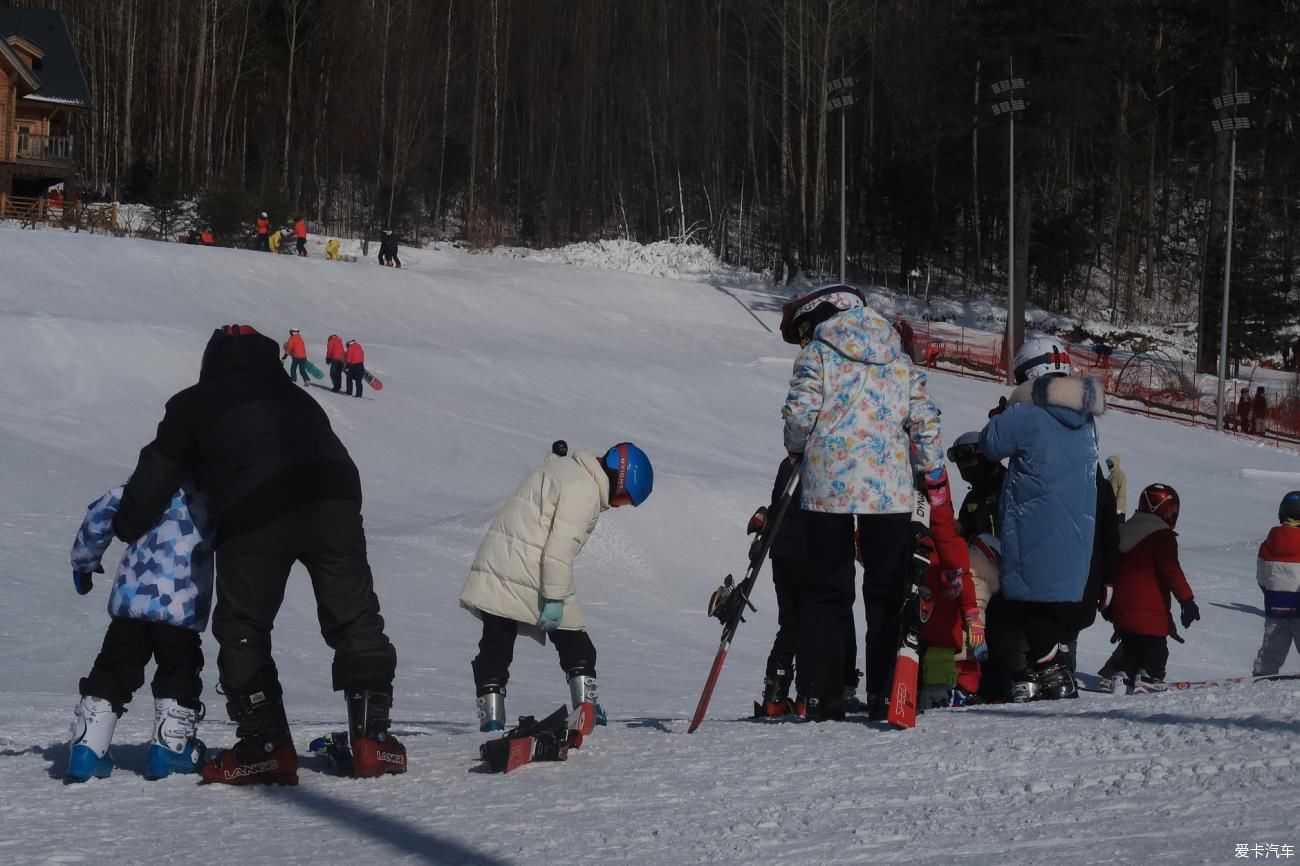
[356,376]
[788,575]
[336,375]
[825,606]
[1039,626]
[1138,652]
[886,542]
[496,650]
[328,538]
[118,671]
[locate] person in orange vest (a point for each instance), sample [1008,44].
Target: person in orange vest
[300,232]
[354,364]
[296,348]
[263,232]
[334,359]
[206,237]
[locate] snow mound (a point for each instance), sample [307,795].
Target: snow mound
[677,261]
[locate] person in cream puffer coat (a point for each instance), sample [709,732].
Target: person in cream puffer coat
[521,580]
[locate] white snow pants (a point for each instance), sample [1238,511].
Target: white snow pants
[1279,634]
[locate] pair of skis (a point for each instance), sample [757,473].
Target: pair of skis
[732,599]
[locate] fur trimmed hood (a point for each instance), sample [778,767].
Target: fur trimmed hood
[1069,400]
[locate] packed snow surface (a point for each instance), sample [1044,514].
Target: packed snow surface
[486,360]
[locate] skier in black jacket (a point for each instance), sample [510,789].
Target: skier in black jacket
[388,250]
[283,489]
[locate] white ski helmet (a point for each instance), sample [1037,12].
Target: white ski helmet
[1042,356]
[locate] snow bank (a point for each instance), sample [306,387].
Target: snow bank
[661,259]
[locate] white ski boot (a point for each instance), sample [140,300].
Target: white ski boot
[175,747]
[93,722]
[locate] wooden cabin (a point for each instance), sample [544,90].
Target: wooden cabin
[42,91]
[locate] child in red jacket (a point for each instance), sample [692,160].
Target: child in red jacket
[955,623]
[1149,574]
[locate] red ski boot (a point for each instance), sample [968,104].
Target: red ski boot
[264,754]
[375,752]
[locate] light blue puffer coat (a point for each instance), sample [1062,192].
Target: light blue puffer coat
[1049,498]
[858,412]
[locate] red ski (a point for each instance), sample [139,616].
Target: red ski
[907,667]
[729,601]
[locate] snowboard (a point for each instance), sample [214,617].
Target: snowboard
[313,370]
[916,610]
[534,740]
[729,602]
[372,380]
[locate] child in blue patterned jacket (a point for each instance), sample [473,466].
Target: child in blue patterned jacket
[159,605]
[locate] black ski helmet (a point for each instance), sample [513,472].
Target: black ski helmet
[801,316]
[1289,509]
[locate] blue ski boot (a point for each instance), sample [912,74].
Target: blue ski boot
[93,721]
[175,748]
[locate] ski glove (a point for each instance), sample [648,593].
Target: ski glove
[953,580]
[1191,613]
[83,581]
[1104,603]
[757,522]
[552,612]
[976,644]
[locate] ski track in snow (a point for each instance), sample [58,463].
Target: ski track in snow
[486,360]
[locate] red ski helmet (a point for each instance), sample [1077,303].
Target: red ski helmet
[1160,500]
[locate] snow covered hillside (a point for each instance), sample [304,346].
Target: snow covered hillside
[486,360]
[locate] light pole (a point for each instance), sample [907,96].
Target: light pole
[840,99]
[1012,103]
[1229,122]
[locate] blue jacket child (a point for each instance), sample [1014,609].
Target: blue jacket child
[158,605]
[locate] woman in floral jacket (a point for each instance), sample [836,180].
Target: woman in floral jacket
[858,417]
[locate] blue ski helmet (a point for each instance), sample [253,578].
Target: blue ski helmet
[1289,509]
[631,477]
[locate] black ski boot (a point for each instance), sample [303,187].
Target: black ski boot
[776,697]
[1052,673]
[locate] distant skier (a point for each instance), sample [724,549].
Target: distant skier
[354,366]
[858,418]
[1259,412]
[284,490]
[521,580]
[1278,573]
[159,605]
[332,250]
[300,233]
[274,239]
[296,350]
[1149,573]
[388,250]
[1048,509]
[1244,405]
[1119,484]
[263,232]
[334,359]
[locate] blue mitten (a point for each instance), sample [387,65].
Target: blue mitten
[83,580]
[552,612]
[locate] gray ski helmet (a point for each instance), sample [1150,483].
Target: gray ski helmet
[965,447]
[1289,509]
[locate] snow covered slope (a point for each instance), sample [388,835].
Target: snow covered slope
[486,360]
